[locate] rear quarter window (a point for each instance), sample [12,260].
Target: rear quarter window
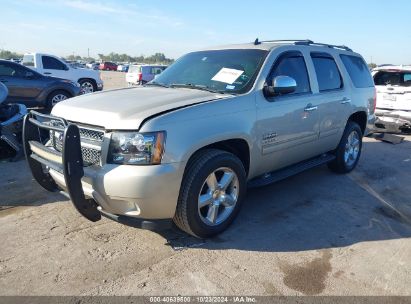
[358,71]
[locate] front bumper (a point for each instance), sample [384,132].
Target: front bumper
[146,193]
[100,86]
[392,120]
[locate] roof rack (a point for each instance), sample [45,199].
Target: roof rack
[305,42]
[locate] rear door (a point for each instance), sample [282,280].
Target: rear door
[393,90]
[333,99]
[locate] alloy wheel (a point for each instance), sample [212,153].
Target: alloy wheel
[218,196]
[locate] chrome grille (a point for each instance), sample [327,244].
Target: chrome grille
[91,156]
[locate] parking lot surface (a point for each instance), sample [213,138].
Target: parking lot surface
[315,233]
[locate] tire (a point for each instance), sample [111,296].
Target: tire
[223,204]
[87,86]
[55,97]
[348,151]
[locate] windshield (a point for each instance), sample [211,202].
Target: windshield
[394,78]
[230,71]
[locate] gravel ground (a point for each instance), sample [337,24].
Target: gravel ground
[317,233]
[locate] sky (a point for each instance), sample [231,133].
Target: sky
[377,29]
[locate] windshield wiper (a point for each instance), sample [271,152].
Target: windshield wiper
[157,84]
[195,87]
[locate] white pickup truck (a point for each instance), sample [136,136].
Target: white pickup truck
[50,65]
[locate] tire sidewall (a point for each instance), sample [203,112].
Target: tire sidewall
[49,105]
[90,81]
[352,126]
[196,224]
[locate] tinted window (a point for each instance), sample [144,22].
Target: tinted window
[358,71]
[394,78]
[294,67]
[156,70]
[52,63]
[11,70]
[328,75]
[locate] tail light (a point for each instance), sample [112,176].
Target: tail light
[140,76]
[375,99]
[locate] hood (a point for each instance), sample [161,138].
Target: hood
[126,109]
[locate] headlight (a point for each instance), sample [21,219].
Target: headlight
[131,148]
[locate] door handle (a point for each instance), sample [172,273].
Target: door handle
[310,108]
[345,100]
[47,73]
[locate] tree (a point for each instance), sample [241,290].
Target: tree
[372,65]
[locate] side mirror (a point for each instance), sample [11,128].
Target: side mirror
[29,75]
[281,85]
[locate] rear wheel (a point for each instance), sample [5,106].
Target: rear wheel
[211,193]
[349,149]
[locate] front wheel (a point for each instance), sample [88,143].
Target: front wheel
[348,151]
[211,193]
[87,86]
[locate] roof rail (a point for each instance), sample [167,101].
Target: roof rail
[284,41]
[305,42]
[342,47]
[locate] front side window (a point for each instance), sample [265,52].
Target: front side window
[328,75]
[6,70]
[51,63]
[229,70]
[293,66]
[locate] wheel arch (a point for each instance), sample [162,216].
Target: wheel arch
[360,118]
[237,146]
[88,78]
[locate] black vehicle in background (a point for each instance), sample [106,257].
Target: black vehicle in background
[33,89]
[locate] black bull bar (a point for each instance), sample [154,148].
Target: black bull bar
[69,161]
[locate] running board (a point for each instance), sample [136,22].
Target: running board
[284,173]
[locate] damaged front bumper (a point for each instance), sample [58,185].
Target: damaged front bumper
[392,120]
[127,194]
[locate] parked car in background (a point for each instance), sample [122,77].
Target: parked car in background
[50,65]
[187,145]
[393,85]
[108,66]
[34,89]
[141,74]
[122,68]
[93,65]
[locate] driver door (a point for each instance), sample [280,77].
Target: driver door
[288,125]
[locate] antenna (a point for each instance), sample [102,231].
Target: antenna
[256,42]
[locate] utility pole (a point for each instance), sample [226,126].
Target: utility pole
[88,52]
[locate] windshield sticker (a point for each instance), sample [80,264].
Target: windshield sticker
[227,75]
[230,87]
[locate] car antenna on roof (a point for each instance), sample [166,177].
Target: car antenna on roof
[256,42]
